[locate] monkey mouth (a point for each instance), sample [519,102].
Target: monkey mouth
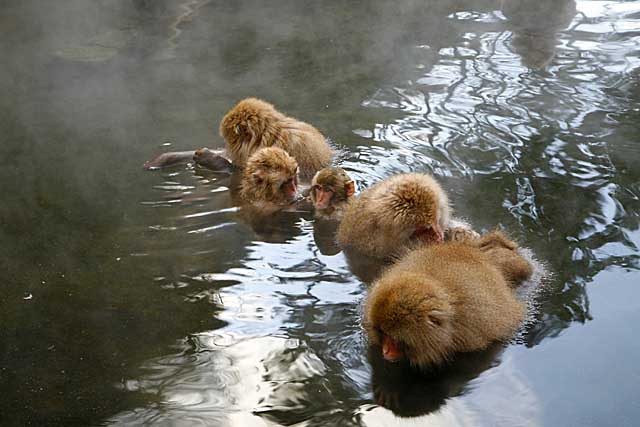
[292,196]
[322,204]
[391,351]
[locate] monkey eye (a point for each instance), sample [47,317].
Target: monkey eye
[319,187]
[289,181]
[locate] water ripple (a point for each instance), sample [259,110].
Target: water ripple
[519,118]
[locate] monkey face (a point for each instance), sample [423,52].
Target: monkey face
[410,318]
[289,188]
[322,196]
[329,187]
[271,176]
[275,186]
[391,350]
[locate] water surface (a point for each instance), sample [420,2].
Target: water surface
[144,298]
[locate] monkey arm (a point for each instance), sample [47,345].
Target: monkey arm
[169,159]
[214,160]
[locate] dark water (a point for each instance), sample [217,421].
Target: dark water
[133,297]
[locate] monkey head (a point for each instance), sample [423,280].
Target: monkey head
[270,177]
[329,187]
[245,128]
[415,205]
[410,317]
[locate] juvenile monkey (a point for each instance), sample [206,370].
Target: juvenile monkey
[269,180]
[253,124]
[444,299]
[330,190]
[394,214]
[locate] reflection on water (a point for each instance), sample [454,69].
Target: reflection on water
[534,28]
[409,393]
[224,378]
[498,396]
[148,297]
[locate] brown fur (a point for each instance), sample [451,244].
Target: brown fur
[266,171]
[504,255]
[253,124]
[381,220]
[444,299]
[459,230]
[342,186]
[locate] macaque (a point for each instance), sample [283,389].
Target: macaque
[394,214]
[444,299]
[249,126]
[330,190]
[269,180]
[253,124]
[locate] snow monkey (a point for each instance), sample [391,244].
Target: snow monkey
[444,299]
[269,180]
[331,188]
[253,124]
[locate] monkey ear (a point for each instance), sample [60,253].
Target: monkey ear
[496,239]
[258,176]
[438,317]
[253,135]
[350,188]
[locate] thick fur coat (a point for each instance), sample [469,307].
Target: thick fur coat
[381,221]
[253,124]
[448,298]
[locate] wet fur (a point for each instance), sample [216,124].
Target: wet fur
[263,176]
[381,220]
[504,255]
[448,298]
[254,124]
